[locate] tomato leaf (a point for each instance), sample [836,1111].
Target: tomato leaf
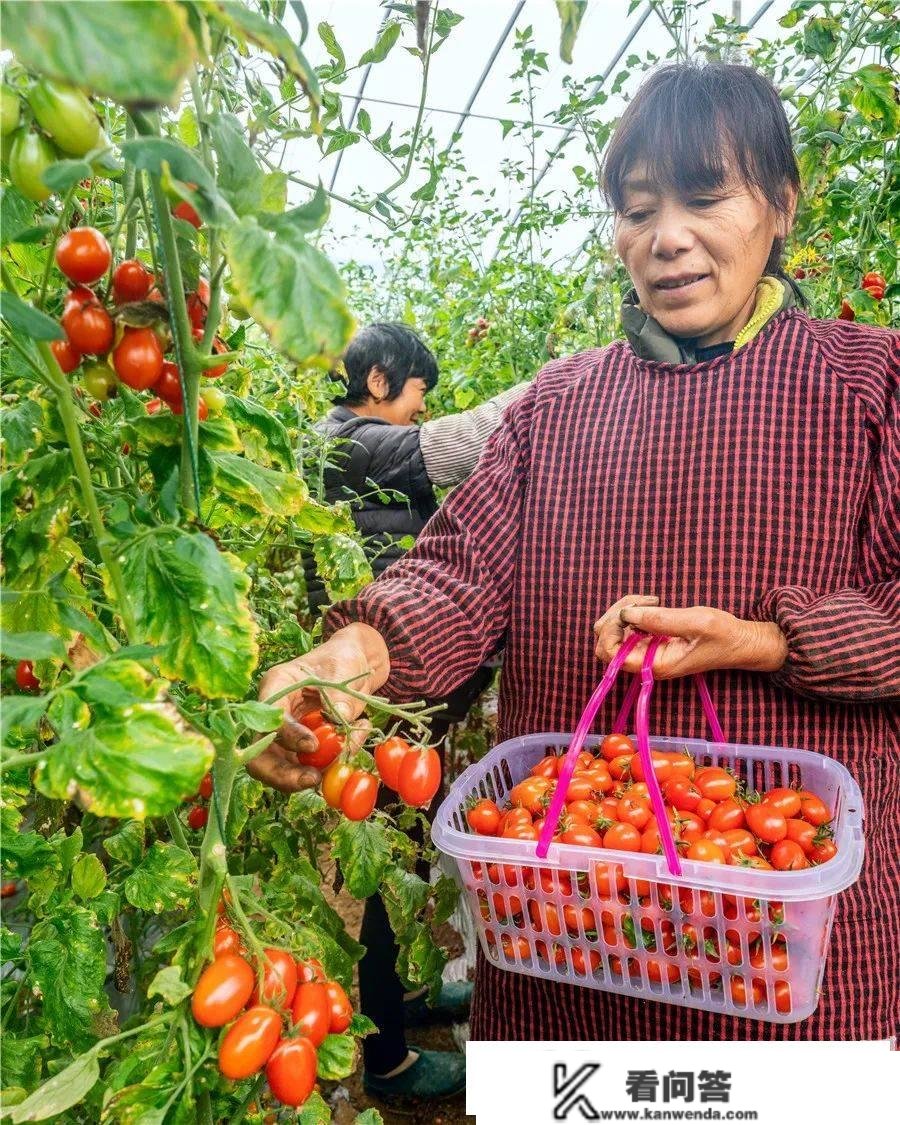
[61,1092]
[168,984]
[314,1111]
[126,845]
[264,436]
[421,961]
[364,853]
[191,599]
[88,876]
[240,176]
[122,749]
[163,880]
[26,319]
[571,13]
[258,488]
[20,1062]
[31,646]
[383,45]
[342,565]
[64,173]
[336,1056]
[20,712]
[361,1025]
[290,289]
[368,1116]
[168,157]
[259,717]
[67,957]
[83,44]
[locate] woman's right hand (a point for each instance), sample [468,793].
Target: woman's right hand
[356,653]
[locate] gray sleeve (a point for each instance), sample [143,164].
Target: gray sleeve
[452,445]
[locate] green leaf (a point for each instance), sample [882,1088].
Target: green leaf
[126,845]
[24,853]
[88,877]
[26,319]
[342,565]
[22,426]
[340,138]
[368,1116]
[10,945]
[164,879]
[246,794]
[122,749]
[291,290]
[821,37]
[83,44]
[383,45]
[17,220]
[361,1025]
[240,177]
[306,218]
[191,599]
[268,439]
[364,121]
[261,489]
[405,895]
[20,1061]
[67,956]
[168,157]
[61,1092]
[875,97]
[168,984]
[260,717]
[64,173]
[31,646]
[421,960]
[336,1057]
[427,191]
[364,853]
[274,192]
[329,39]
[20,712]
[314,1111]
[571,13]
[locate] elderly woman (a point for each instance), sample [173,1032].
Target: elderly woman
[726,476]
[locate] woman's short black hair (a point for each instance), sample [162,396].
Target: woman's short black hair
[394,349]
[692,125]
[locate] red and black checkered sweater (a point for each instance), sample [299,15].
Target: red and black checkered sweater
[765,483]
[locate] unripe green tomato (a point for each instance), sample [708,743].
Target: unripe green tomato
[67,115]
[238,309]
[215,399]
[30,155]
[99,381]
[10,111]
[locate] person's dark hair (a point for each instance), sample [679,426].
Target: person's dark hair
[690,125]
[394,349]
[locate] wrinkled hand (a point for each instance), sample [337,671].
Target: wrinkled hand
[343,657]
[700,639]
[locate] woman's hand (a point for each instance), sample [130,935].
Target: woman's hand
[700,639]
[356,653]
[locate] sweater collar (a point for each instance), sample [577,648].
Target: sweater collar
[649,340]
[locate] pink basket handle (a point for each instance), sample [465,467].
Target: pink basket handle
[620,726]
[575,746]
[642,730]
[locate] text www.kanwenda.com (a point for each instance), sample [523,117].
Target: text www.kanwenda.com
[647,1114]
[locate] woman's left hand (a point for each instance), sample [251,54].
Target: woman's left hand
[700,639]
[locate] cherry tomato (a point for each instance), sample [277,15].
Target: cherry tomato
[131,281]
[78,296]
[138,358]
[726,815]
[223,989]
[614,745]
[219,348]
[740,841]
[8,889]
[682,764]
[65,355]
[249,1042]
[787,855]
[786,801]
[582,812]
[715,783]
[801,833]
[226,940]
[662,767]
[30,155]
[206,787]
[291,1070]
[154,405]
[681,793]
[738,988]
[388,756]
[813,809]
[634,810]
[341,1009]
[309,970]
[582,836]
[202,409]
[333,782]
[530,794]
[89,328]
[706,851]
[484,817]
[83,255]
[168,385]
[67,115]
[215,400]
[99,381]
[311,1011]
[197,817]
[419,777]
[10,111]
[197,304]
[766,823]
[547,767]
[704,808]
[359,795]
[185,211]
[623,838]
[329,745]
[823,852]
[25,677]
[279,979]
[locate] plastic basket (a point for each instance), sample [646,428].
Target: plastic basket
[607,939]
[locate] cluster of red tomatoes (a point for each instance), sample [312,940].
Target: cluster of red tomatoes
[133,355]
[199,813]
[713,819]
[413,772]
[279,1020]
[874,284]
[478,331]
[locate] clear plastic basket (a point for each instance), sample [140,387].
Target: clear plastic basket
[606,939]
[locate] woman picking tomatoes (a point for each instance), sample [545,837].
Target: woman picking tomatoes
[727,476]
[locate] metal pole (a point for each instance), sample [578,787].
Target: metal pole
[481,81]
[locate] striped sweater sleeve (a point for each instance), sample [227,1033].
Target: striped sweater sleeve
[443,608]
[845,644]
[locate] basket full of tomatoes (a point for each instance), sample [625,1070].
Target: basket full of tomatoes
[766,838]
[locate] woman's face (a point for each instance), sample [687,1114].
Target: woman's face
[695,262]
[407,408]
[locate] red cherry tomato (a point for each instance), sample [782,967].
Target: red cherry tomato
[787,855]
[715,783]
[185,211]
[388,756]
[138,358]
[8,889]
[206,787]
[727,815]
[279,979]
[89,327]
[154,405]
[249,1042]
[359,795]
[309,970]
[197,304]
[813,809]
[25,677]
[419,777]
[168,385]
[226,940]
[581,836]
[623,838]
[131,281]
[329,745]
[197,817]
[83,255]
[223,989]
[340,1008]
[291,1070]
[823,852]
[65,355]
[766,823]
[484,817]
[333,782]
[219,348]
[311,1011]
[615,745]
[80,295]
[786,801]
[202,409]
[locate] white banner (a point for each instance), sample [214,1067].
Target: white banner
[767,1083]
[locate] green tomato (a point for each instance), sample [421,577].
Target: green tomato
[215,399]
[238,309]
[67,115]
[30,155]
[10,111]
[99,381]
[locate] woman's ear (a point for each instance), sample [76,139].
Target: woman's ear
[785,220]
[377,384]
